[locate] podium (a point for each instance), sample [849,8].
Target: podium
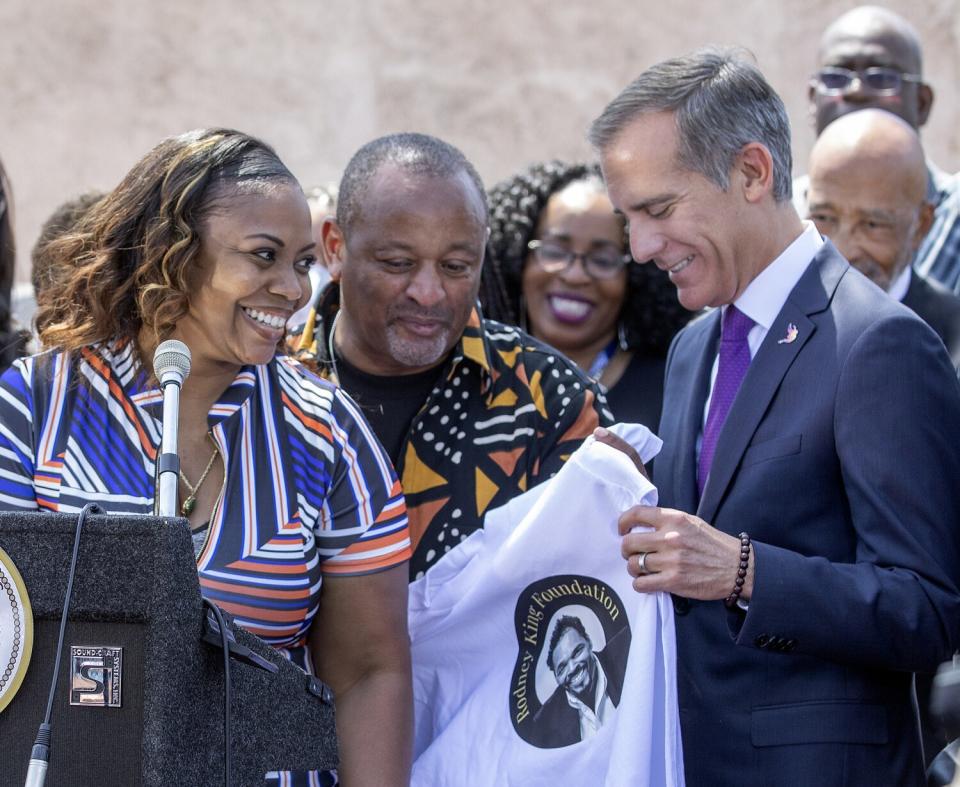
[136,589]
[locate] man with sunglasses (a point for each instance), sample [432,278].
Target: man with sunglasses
[870,57]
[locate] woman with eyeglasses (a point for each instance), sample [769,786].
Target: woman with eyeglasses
[558,265]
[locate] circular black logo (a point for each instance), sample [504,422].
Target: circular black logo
[573,638]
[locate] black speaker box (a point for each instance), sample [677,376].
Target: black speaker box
[136,588]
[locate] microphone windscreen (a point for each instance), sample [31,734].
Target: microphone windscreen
[171,362]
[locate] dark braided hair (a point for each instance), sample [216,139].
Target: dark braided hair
[651,314]
[12,341]
[565,622]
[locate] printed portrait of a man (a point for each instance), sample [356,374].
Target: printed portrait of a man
[589,684]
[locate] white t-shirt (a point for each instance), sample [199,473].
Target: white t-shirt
[489,709]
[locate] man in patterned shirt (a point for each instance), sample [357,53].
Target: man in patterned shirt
[871,58]
[472,412]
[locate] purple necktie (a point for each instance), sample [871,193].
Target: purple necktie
[734,362]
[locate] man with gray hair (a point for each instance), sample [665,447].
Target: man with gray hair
[868,185]
[809,544]
[870,57]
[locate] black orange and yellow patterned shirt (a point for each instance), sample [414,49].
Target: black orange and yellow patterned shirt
[506,414]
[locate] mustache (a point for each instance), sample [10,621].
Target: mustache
[872,270]
[437,314]
[576,672]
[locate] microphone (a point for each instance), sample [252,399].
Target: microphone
[171,365]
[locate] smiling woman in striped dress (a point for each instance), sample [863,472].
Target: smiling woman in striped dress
[298,520]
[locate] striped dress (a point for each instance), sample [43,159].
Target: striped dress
[308,490]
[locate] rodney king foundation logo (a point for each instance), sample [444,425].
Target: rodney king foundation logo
[573,639]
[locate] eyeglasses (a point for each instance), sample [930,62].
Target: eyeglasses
[877,80]
[598,264]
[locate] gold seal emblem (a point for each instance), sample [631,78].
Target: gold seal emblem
[16,630]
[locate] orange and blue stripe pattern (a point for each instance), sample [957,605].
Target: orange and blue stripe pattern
[309,490]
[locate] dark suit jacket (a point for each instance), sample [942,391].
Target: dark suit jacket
[638,395]
[840,457]
[556,723]
[939,308]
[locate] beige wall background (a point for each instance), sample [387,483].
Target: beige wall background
[89,87]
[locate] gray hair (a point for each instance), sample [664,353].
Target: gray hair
[721,101]
[418,154]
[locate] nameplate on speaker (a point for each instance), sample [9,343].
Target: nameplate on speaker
[96,676]
[16,630]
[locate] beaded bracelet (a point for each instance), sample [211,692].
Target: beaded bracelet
[731,600]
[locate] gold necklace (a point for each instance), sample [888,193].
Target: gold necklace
[191,501]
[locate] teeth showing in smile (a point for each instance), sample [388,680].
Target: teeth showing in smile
[270,320]
[569,308]
[681,265]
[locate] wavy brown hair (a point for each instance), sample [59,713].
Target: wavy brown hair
[129,263]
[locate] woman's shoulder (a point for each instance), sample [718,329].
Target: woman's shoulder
[31,385]
[305,390]
[113,353]
[40,363]
[297,373]
[317,410]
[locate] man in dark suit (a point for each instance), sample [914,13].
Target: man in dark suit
[822,429]
[939,308]
[868,194]
[589,684]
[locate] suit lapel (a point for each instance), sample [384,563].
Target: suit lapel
[914,292]
[811,295]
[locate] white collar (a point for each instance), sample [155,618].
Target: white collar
[599,690]
[764,297]
[899,286]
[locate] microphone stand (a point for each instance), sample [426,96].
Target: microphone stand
[169,461]
[171,364]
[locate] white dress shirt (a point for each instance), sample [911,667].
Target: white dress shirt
[899,286]
[762,301]
[591,720]
[765,296]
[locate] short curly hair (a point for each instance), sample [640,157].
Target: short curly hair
[44,269]
[133,254]
[651,314]
[564,623]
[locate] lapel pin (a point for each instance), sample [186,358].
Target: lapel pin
[791,335]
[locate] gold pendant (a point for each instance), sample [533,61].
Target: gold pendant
[188,505]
